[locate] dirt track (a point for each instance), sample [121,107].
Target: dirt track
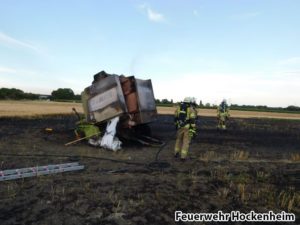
[252,166]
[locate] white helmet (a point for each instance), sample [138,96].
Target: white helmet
[187,99]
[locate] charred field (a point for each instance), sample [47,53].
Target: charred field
[254,165]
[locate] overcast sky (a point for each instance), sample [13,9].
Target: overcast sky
[246,51]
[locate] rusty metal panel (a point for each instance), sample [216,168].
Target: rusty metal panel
[146,100]
[145,95]
[131,102]
[105,84]
[107,100]
[102,100]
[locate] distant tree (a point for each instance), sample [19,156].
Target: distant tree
[293,108]
[201,104]
[261,107]
[31,96]
[157,101]
[165,101]
[63,93]
[3,93]
[207,105]
[77,97]
[11,93]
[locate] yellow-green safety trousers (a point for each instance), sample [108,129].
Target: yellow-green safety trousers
[183,136]
[222,117]
[182,142]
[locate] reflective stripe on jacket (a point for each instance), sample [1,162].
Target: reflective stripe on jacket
[190,118]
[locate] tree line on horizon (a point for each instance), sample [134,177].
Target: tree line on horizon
[262,108]
[67,94]
[59,94]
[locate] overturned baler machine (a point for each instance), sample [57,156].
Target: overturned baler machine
[110,96]
[129,99]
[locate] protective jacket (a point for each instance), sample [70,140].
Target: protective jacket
[185,116]
[185,122]
[223,110]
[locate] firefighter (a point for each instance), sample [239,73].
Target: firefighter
[223,114]
[185,122]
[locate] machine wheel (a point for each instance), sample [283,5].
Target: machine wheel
[143,129]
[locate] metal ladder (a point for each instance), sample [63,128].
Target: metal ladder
[38,170]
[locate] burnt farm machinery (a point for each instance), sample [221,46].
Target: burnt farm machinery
[117,108]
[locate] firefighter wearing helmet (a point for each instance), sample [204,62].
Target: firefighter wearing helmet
[185,122]
[223,114]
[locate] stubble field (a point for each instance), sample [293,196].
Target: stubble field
[254,165]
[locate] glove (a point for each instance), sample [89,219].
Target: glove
[192,132]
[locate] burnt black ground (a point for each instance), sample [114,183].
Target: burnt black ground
[254,165]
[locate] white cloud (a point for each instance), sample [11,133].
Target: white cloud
[290,61]
[154,16]
[293,73]
[244,16]
[7,70]
[151,14]
[8,40]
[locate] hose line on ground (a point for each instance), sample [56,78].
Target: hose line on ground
[73,157]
